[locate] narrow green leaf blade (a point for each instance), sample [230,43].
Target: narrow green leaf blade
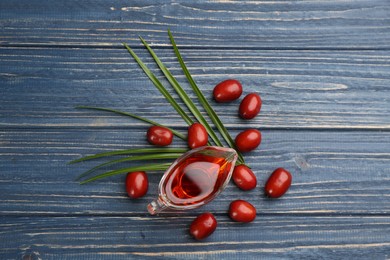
[131,151]
[160,87]
[150,167]
[214,117]
[178,134]
[182,94]
[154,156]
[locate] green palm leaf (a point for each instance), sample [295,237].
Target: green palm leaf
[141,154]
[214,117]
[131,151]
[150,167]
[183,95]
[154,156]
[160,87]
[178,134]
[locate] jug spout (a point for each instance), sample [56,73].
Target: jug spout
[156,206]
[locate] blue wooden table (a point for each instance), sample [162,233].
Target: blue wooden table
[321,67]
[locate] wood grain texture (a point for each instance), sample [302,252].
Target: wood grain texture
[321,67]
[140,238]
[334,173]
[300,89]
[331,24]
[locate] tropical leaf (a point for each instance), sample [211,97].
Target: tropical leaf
[154,156]
[178,134]
[183,95]
[149,167]
[160,87]
[131,151]
[214,117]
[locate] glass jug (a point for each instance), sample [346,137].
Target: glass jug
[194,179]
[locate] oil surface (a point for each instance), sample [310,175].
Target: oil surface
[196,179]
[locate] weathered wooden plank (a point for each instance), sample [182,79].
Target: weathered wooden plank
[331,24]
[334,173]
[347,237]
[300,89]
[322,69]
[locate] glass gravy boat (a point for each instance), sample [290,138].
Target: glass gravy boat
[194,179]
